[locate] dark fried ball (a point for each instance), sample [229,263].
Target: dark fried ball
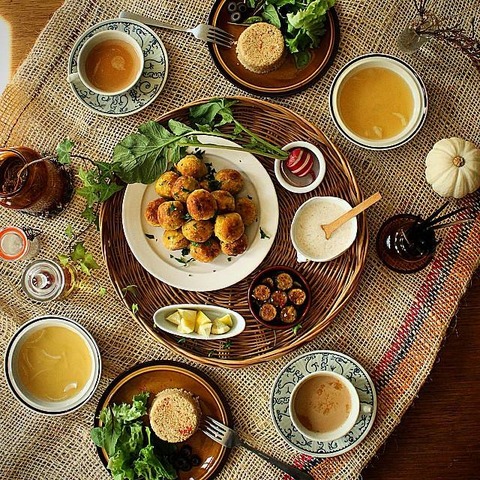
[205,252]
[174,240]
[288,314]
[235,248]
[164,184]
[261,293]
[183,187]
[225,201]
[279,298]
[229,227]
[284,281]
[198,231]
[230,180]
[267,312]
[151,212]
[201,205]
[171,215]
[191,166]
[247,210]
[297,296]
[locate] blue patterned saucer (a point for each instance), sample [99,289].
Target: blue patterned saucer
[313,362]
[147,88]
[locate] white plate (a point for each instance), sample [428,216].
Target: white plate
[145,91]
[212,312]
[321,360]
[145,241]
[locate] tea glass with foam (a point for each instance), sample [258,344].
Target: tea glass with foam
[332,402]
[94,41]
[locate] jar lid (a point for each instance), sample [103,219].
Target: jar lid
[43,280]
[13,243]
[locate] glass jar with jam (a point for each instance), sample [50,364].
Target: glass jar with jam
[28,182]
[45,280]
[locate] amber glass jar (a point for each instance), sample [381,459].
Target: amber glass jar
[39,187]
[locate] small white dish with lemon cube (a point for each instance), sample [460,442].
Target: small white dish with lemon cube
[202,322]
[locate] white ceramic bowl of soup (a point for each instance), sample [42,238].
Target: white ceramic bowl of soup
[308,237]
[52,365]
[378,102]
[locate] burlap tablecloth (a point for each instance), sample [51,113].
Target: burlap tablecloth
[394,325]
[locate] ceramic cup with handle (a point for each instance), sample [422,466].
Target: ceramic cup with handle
[324,406]
[109,63]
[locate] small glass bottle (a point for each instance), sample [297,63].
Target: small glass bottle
[403,245]
[18,243]
[44,280]
[38,187]
[417,33]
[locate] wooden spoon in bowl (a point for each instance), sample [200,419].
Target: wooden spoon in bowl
[329,228]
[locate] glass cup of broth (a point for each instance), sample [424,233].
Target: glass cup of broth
[325,406]
[109,63]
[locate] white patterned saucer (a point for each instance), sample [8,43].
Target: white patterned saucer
[321,360]
[146,89]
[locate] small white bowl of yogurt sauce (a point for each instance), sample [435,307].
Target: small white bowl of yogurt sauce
[308,237]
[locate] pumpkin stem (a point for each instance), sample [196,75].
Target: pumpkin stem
[458,161]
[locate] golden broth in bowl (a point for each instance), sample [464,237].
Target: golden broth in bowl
[54,363]
[376,103]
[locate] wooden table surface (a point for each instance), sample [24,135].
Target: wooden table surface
[439,436]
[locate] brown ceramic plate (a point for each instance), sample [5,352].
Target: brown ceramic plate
[288,78]
[156,376]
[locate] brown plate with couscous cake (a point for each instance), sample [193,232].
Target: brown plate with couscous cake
[289,78]
[158,376]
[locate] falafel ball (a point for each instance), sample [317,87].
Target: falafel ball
[174,240]
[205,252]
[201,205]
[183,187]
[192,166]
[164,184]
[198,230]
[235,248]
[171,215]
[151,212]
[229,227]
[225,201]
[230,180]
[246,209]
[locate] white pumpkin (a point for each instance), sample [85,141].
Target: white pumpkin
[453,167]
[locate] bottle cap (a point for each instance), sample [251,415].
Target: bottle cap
[14,244]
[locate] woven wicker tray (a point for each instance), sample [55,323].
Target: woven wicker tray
[332,283]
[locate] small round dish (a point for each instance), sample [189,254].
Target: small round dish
[286,288]
[414,83]
[300,367]
[309,182]
[308,237]
[21,392]
[146,90]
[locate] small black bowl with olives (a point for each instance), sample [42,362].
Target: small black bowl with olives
[279,297]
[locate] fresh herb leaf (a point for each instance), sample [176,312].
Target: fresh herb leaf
[296,328]
[63,151]
[263,234]
[129,289]
[69,231]
[270,15]
[227,344]
[134,308]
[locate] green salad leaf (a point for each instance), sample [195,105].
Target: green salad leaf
[302,22]
[128,443]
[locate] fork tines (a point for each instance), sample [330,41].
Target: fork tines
[219,36]
[213,428]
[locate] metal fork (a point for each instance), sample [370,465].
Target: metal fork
[227,437]
[207,33]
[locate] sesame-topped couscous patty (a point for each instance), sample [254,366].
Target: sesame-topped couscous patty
[261,48]
[175,415]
